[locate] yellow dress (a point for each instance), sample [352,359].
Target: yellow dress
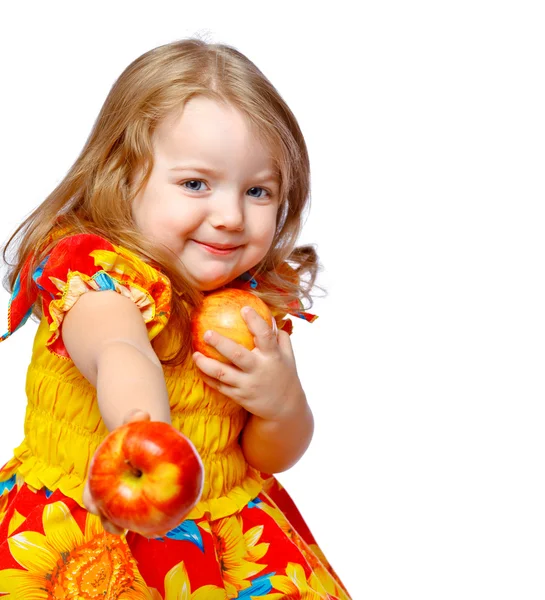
[236,543]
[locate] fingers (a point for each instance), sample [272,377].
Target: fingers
[216,370]
[222,388]
[237,354]
[91,506]
[88,501]
[109,526]
[284,342]
[265,336]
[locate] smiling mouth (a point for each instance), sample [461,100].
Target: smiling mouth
[219,249]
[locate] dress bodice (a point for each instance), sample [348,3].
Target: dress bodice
[63,424]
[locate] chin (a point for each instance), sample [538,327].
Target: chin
[207,288]
[208,285]
[213,283]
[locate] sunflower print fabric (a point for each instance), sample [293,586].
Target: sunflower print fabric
[55,549]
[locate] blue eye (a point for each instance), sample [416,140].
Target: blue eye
[193,181]
[198,181]
[259,188]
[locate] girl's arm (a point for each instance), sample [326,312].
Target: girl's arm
[265,382]
[106,337]
[275,445]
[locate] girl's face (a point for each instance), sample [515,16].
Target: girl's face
[213,195]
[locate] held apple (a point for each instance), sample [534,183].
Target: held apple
[146,476]
[220,311]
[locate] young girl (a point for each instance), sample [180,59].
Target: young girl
[195,177]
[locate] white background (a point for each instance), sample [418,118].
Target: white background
[425,126]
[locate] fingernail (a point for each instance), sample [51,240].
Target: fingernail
[245,310]
[207,335]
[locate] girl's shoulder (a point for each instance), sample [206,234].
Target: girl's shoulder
[97,258]
[76,263]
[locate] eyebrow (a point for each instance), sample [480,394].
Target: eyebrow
[267,176]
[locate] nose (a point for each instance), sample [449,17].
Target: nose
[227,213]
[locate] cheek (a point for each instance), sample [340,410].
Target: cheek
[264,233]
[137,213]
[144,218]
[271,226]
[143,205]
[270,235]
[153,211]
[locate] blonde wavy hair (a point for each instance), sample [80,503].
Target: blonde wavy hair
[97,193]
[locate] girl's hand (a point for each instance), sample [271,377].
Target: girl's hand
[88,500]
[264,380]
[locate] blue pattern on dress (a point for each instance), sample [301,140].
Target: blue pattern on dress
[38,273]
[7,485]
[247,277]
[260,586]
[255,502]
[104,281]
[187,530]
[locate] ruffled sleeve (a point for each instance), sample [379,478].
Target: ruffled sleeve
[82,263]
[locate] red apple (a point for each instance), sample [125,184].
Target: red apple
[220,311]
[146,476]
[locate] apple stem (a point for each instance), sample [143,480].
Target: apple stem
[136,472]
